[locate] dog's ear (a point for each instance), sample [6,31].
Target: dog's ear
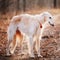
[44,18]
[40,25]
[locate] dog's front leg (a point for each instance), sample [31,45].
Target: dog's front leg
[30,46]
[38,48]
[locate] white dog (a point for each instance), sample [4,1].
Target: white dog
[26,25]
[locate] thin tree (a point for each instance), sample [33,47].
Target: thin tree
[24,5]
[54,3]
[4,4]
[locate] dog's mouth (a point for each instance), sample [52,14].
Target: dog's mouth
[51,24]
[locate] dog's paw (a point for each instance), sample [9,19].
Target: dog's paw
[31,56]
[8,54]
[40,56]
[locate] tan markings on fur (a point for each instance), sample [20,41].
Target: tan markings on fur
[18,33]
[19,36]
[17,21]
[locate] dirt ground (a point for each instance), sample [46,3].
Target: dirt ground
[50,43]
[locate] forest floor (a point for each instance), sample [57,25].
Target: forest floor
[50,46]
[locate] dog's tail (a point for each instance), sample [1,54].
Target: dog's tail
[13,26]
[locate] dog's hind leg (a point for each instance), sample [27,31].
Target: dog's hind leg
[8,47]
[13,45]
[17,41]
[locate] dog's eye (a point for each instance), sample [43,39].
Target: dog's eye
[49,17]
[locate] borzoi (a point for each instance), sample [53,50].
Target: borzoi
[28,26]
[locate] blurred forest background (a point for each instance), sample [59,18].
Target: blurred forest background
[7,6]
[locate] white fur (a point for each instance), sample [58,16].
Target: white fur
[30,26]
